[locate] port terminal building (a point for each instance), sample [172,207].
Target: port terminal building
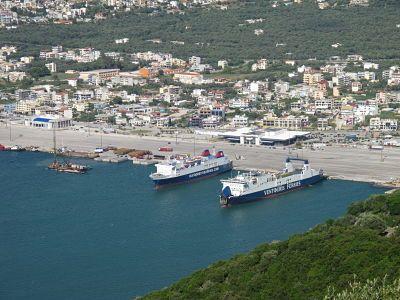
[48,122]
[267,137]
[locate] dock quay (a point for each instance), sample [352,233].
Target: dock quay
[146,162]
[346,163]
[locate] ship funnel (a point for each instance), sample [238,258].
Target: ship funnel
[206,153]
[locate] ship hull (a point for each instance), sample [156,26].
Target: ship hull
[270,192]
[214,171]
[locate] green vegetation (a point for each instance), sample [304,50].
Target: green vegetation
[373,289]
[303,30]
[38,69]
[364,244]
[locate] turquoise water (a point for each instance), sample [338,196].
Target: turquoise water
[109,235]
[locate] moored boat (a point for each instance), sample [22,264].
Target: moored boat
[251,186]
[181,169]
[68,167]
[65,167]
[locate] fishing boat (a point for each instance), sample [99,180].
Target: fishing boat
[65,167]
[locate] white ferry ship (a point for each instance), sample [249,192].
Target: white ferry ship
[252,186]
[182,169]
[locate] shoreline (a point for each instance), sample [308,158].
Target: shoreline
[338,162]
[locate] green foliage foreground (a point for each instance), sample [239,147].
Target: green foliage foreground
[364,244]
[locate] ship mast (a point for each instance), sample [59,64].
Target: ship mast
[54,143]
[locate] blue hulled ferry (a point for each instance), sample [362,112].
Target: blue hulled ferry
[247,187]
[182,169]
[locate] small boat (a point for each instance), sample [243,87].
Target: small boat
[33,149]
[68,167]
[17,148]
[2,147]
[99,150]
[65,167]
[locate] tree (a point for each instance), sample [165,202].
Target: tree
[117,100]
[38,70]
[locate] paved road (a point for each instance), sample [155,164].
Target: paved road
[348,163]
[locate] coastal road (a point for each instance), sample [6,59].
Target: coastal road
[360,164]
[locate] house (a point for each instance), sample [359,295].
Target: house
[194,60]
[211,122]
[261,64]
[383,124]
[312,78]
[222,64]
[52,67]
[104,74]
[356,87]
[323,124]
[73,82]
[240,121]
[122,41]
[83,95]
[189,78]
[289,122]
[25,106]
[370,65]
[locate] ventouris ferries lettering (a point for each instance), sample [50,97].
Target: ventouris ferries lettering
[282,188]
[204,172]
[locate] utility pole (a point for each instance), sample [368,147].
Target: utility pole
[194,144]
[54,143]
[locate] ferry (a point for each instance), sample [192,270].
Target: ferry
[251,186]
[181,169]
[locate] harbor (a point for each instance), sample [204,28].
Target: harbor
[338,161]
[111,229]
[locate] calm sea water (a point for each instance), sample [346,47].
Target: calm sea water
[109,235]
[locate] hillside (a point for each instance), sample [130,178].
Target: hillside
[364,244]
[300,29]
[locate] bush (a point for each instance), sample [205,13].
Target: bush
[371,221]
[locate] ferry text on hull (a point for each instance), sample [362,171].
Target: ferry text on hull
[252,186]
[185,169]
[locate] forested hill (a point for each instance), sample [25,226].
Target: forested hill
[298,31]
[363,245]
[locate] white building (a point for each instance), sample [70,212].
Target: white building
[122,41]
[222,64]
[383,124]
[83,95]
[261,64]
[195,60]
[289,122]
[48,122]
[211,122]
[52,67]
[240,121]
[189,78]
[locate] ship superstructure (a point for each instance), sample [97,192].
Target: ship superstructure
[182,168]
[250,186]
